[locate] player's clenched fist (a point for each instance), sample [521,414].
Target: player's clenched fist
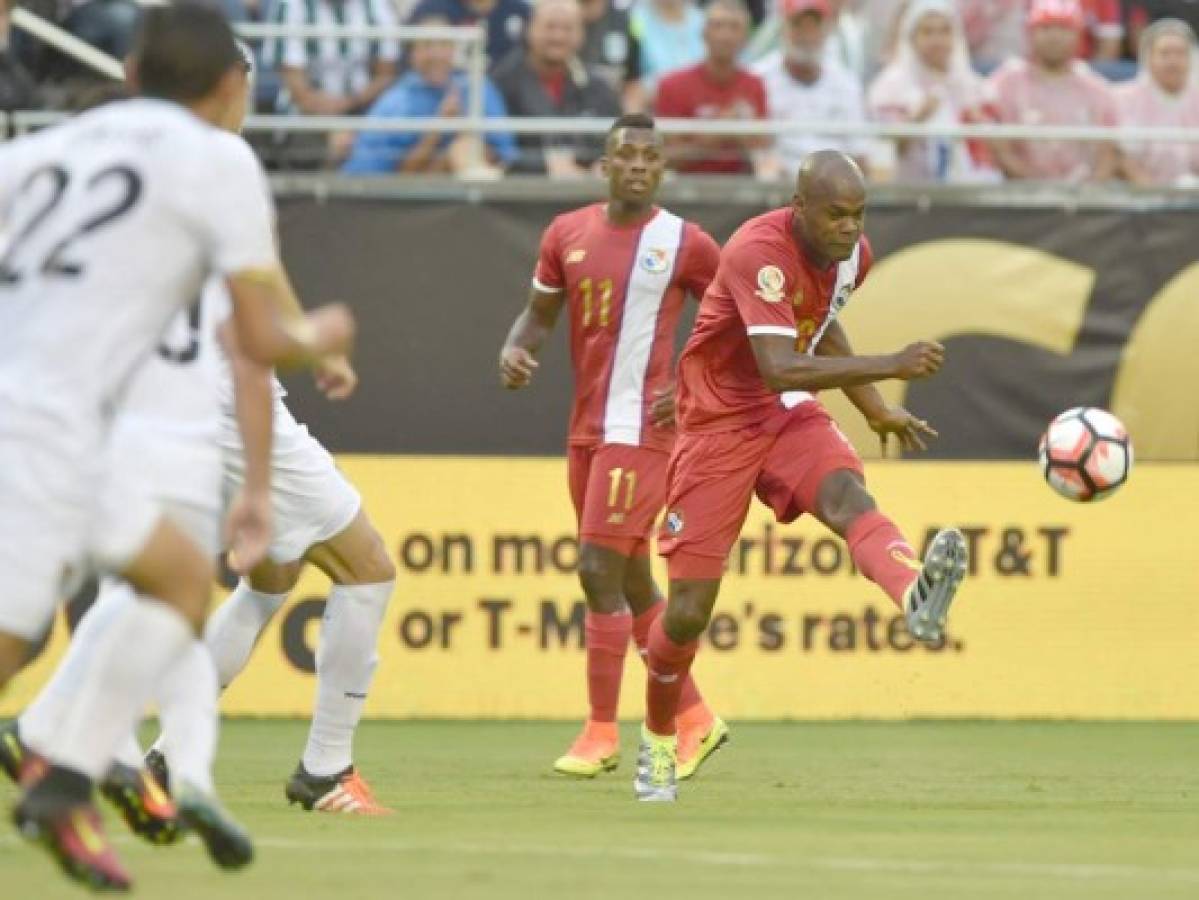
[517,366]
[919,360]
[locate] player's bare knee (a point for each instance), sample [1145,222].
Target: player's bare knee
[842,499]
[374,565]
[639,588]
[274,578]
[601,574]
[688,612]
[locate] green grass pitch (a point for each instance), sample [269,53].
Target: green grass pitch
[860,810]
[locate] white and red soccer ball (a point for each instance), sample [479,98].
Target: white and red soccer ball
[1086,454]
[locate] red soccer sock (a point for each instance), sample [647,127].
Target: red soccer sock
[882,555]
[669,664]
[690,696]
[607,643]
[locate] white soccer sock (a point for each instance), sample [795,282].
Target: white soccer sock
[42,718]
[187,700]
[346,657]
[129,658]
[235,626]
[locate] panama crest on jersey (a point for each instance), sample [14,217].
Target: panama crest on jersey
[674,522]
[655,260]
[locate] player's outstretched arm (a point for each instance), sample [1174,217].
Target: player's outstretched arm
[883,419]
[248,527]
[518,356]
[270,332]
[784,368]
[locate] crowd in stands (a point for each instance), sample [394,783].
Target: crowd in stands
[1030,62]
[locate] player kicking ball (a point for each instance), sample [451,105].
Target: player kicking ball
[766,339]
[622,270]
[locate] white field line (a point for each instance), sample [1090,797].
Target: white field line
[719,859]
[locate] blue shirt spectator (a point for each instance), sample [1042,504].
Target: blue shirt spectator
[671,33]
[505,20]
[377,153]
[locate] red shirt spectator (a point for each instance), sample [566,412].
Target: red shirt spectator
[1053,87]
[717,88]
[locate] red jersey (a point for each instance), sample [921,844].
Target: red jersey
[691,93]
[624,288]
[764,285]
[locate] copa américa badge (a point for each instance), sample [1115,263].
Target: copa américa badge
[772,284]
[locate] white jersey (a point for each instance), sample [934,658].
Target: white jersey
[114,221]
[176,391]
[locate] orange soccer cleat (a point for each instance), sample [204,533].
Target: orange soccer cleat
[345,792]
[595,750]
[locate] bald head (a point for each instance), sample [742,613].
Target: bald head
[829,174]
[830,206]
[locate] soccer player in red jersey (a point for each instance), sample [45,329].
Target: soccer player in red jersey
[621,269]
[767,336]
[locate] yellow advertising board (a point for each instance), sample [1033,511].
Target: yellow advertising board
[1069,611]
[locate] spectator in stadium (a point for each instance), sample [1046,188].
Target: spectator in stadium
[16,84]
[332,76]
[718,88]
[804,84]
[547,78]
[930,81]
[1140,14]
[432,87]
[505,20]
[1164,95]
[994,30]
[671,36]
[846,43]
[1052,87]
[611,48]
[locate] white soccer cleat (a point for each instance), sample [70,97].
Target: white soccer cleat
[657,766]
[927,602]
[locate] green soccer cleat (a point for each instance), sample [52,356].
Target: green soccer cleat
[657,763]
[227,842]
[693,754]
[142,803]
[927,602]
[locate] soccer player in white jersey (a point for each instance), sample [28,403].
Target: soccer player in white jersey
[114,220]
[167,439]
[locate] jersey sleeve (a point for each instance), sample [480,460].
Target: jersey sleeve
[549,276]
[759,288]
[235,210]
[701,260]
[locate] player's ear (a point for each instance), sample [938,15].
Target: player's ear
[605,169]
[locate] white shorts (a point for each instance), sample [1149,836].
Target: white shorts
[312,500]
[182,476]
[59,520]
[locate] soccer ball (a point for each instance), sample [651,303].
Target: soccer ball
[1085,454]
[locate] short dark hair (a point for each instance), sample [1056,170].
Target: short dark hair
[183,51]
[632,120]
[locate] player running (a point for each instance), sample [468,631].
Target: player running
[622,269]
[767,337]
[318,518]
[114,220]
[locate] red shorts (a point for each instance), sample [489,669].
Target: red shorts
[713,477]
[618,492]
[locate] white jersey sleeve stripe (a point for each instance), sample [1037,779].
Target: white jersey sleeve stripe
[780,330]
